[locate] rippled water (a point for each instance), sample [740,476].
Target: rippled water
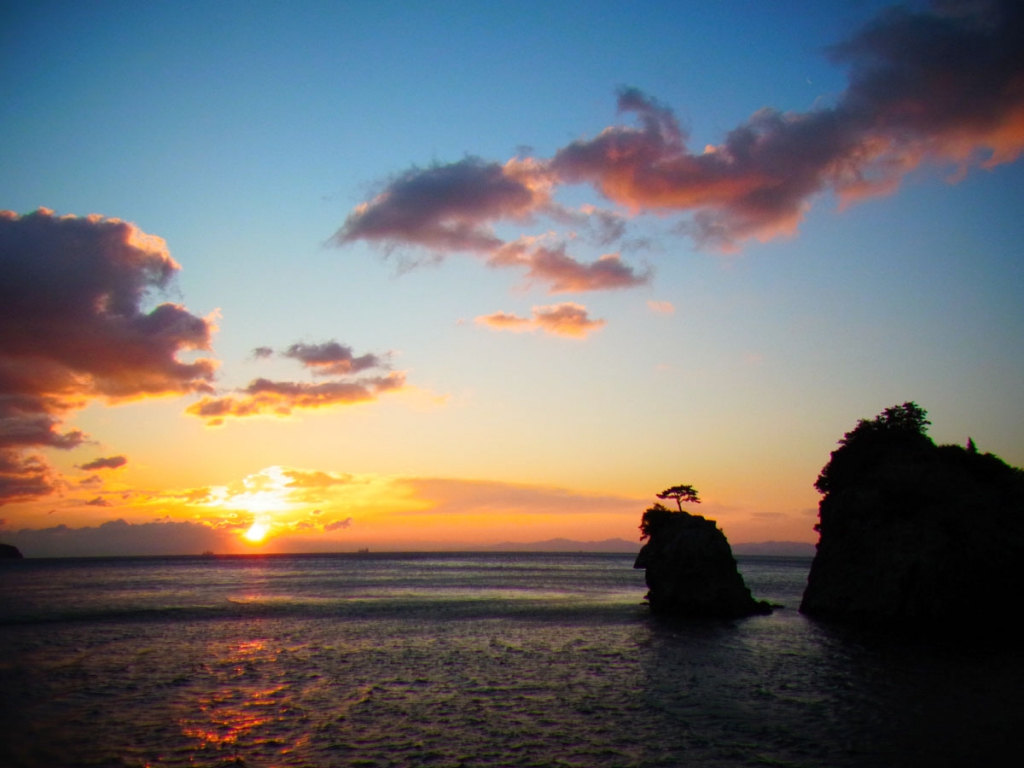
[471,660]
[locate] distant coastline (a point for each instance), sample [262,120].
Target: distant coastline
[777,548]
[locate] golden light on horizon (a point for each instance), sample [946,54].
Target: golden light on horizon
[257,532]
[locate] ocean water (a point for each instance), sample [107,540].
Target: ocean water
[467,660]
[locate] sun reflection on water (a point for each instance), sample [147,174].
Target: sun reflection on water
[241,709]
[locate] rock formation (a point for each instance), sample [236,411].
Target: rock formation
[912,533]
[10,552]
[690,570]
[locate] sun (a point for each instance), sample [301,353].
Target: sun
[257,532]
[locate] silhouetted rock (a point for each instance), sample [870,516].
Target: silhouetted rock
[690,570]
[914,534]
[10,552]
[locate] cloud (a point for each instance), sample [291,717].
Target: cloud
[449,207]
[331,358]
[338,524]
[76,328]
[301,478]
[941,85]
[264,397]
[936,86]
[505,321]
[111,462]
[566,319]
[452,208]
[118,537]
[564,274]
[661,307]
[24,477]
[99,501]
[486,498]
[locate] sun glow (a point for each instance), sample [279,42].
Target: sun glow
[257,532]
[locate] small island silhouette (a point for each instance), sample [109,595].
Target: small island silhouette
[10,552]
[689,567]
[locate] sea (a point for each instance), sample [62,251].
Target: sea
[495,659]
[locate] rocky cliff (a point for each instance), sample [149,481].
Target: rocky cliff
[690,570]
[9,552]
[913,533]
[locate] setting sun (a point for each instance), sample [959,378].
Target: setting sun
[257,532]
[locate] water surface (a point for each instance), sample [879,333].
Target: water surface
[464,660]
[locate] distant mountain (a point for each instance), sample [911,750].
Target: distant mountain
[566,545]
[777,548]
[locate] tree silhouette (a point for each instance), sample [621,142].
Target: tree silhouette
[654,519]
[900,428]
[680,493]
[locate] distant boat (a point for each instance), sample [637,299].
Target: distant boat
[209,553]
[363,551]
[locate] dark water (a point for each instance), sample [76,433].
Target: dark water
[466,660]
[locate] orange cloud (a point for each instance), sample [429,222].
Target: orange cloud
[566,319]
[505,321]
[564,274]
[661,307]
[279,398]
[451,496]
[75,328]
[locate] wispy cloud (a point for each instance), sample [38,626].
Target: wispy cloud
[452,208]
[553,267]
[110,462]
[331,358]
[76,328]
[661,307]
[315,510]
[264,397]
[566,319]
[453,496]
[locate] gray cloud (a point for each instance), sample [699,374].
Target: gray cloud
[72,306]
[118,537]
[110,462]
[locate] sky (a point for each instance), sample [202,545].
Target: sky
[325,276]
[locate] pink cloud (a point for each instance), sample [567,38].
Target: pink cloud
[566,319]
[941,85]
[929,85]
[562,273]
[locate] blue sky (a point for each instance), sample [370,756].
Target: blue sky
[246,134]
